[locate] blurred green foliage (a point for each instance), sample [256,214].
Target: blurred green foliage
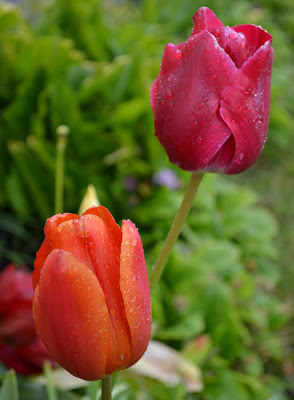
[90,65]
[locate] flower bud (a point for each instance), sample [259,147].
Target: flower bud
[92,302]
[211,99]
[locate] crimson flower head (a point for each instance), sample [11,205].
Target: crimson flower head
[211,99]
[92,304]
[20,346]
[16,294]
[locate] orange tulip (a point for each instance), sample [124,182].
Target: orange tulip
[92,304]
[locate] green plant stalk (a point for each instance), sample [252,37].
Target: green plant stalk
[59,173]
[106,387]
[175,229]
[51,390]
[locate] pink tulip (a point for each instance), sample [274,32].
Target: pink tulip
[211,99]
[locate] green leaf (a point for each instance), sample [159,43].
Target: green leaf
[9,390]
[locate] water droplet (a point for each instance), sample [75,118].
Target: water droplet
[112,311]
[194,123]
[122,357]
[134,242]
[178,54]
[199,139]
[240,158]
[169,94]
[205,160]
[213,77]
[134,299]
[201,105]
[178,164]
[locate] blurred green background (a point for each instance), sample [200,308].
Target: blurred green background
[225,300]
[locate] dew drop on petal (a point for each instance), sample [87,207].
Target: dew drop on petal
[240,158]
[169,94]
[199,139]
[178,54]
[134,242]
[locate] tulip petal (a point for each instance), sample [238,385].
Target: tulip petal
[205,19]
[49,244]
[245,106]
[105,215]
[187,121]
[104,246]
[71,315]
[134,286]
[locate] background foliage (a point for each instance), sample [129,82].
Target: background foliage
[223,302]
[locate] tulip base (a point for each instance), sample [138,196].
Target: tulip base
[106,387]
[175,229]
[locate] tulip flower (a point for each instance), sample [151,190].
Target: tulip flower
[20,346]
[92,304]
[16,295]
[212,95]
[28,359]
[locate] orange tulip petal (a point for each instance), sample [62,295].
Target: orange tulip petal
[47,245]
[71,315]
[41,256]
[105,215]
[134,286]
[104,252]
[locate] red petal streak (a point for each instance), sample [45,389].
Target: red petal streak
[245,108]
[134,286]
[71,315]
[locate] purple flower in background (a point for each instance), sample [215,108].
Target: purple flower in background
[130,183]
[166,177]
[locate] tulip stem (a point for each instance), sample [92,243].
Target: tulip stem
[62,132]
[106,387]
[175,229]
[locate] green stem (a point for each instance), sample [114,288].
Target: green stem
[175,229]
[51,390]
[62,132]
[106,387]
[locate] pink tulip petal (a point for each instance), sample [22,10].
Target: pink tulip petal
[134,287]
[245,108]
[185,100]
[71,315]
[205,20]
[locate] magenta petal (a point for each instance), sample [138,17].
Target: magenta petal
[205,19]
[245,108]
[185,99]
